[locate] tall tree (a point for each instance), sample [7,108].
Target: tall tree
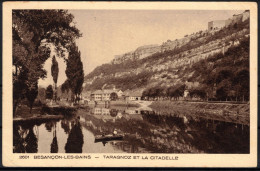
[55,74]
[41,94]
[31,94]
[65,87]
[113,96]
[34,32]
[49,92]
[74,72]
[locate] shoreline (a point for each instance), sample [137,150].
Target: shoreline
[237,113]
[220,111]
[44,113]
[38,117]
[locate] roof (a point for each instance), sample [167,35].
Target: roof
[133,93]
[97,92]
[105,91]
[109,91]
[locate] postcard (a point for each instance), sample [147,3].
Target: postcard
[129,84]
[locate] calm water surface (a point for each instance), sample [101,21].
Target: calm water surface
[145,132]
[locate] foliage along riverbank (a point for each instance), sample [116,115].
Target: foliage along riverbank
[222,111]
[32,47]
[43,113]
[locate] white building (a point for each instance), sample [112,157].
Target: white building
[104,95]
[133,95]
[101,111]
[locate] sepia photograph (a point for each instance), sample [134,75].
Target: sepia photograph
[130,81]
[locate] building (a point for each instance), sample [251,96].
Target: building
[100,111]
[132,95]
[86,95]
[105,95]
[186,94]
[120,93]
[132,111]
[97,95]
[217,24]
[236,18]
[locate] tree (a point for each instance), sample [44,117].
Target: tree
[223,74]
[223,89]
[74,72]
[41,94]
[31,94]
[170,91]
[198,92]
[49,92]
[34,32]
[65,87]
[145,93]
[75,139]
[113,96]
[55,74]
[241,81]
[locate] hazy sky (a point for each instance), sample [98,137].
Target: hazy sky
[113,32]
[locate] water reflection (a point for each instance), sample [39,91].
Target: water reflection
[54,144]
[75,139]
[25,140]
[65,124]
[145,132]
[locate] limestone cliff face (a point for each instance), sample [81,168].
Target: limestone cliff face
[165,64]
[139,53]
[148,50]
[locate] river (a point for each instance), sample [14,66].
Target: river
[144,132]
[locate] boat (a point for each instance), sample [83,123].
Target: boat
[109,137]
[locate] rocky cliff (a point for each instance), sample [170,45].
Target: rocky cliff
[175,62]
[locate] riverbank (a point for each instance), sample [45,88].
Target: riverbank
[124,103]
[38,117]
[218,108]
[43,113]
[221,111]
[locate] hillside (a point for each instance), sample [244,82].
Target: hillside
[212,60]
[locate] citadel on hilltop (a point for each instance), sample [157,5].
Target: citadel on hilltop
[148,50]
[180,62]
[217,24]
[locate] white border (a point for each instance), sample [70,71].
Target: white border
[185,160]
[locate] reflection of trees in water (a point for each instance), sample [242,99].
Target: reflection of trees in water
[165,121]
[176,133]
[126,146]
[204,135]
[54,144]
[75,139]
[113,112]
[49,125]
[31,142]
[24,141]
[65,124]
[227,137]
[19,135]
[165,133]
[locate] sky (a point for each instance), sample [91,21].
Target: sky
[107,33]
